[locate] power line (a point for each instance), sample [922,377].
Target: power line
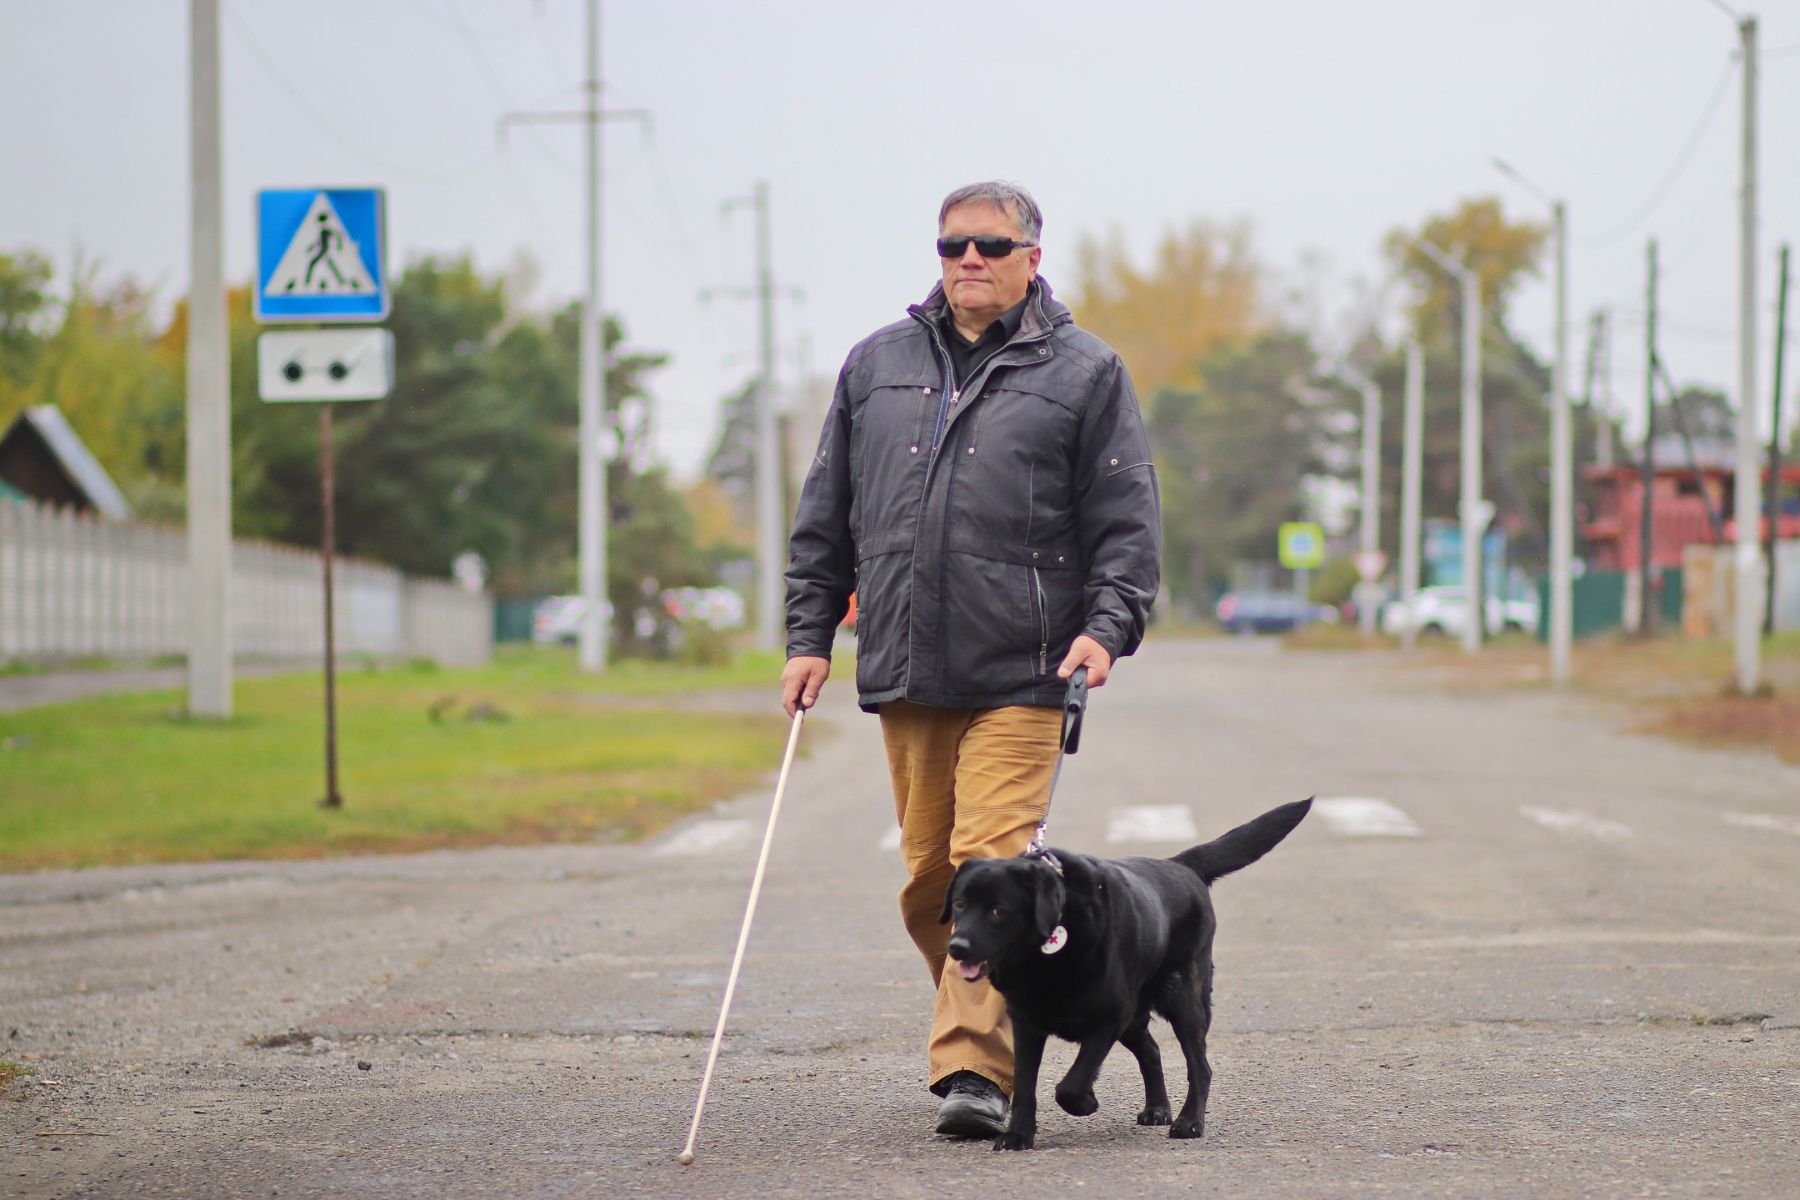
[456,20]
[1680,164]
[324,124]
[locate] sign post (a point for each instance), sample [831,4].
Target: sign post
[321,257]
[1300,545]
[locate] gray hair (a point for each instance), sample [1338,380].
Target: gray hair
[1001,195]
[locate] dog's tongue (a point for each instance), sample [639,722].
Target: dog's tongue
[970,971]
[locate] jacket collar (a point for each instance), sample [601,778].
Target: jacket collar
[1042,310]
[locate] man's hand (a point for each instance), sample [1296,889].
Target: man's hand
[802,678]
[1086,652]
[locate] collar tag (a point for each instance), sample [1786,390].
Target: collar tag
[1059,937]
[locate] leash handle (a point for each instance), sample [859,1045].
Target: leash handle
[1074,705]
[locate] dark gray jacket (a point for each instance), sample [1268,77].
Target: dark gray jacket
[981,530]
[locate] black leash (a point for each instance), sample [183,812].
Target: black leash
[1074,705]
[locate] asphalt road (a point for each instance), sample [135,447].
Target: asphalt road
[1525,952]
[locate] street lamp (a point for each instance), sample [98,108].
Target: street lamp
[1472,510]
[1562,454]
[1368,561]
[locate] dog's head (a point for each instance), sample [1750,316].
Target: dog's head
[1001,908]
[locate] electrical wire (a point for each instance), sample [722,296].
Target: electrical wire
[457,21]
[1675,171]
[325,125]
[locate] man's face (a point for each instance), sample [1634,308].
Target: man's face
[980,289]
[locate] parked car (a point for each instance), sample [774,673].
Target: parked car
[558,619]
[1268,612]
[1444,610]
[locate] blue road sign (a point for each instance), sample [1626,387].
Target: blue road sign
[321,255]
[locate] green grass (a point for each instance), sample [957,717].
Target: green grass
[129,778]
[11,1071]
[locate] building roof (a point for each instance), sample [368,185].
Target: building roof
[44,435]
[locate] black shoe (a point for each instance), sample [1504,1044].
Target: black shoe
[974,1107]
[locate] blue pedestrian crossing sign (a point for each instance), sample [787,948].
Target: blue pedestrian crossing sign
[321,255]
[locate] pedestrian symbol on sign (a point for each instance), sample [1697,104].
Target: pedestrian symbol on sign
[322,259]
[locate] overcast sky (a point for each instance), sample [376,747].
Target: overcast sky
[1324,123]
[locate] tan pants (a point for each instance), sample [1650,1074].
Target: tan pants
[968,783]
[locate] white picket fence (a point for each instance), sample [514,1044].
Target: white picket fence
[75,586]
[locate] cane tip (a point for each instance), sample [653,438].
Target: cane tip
[687,1158]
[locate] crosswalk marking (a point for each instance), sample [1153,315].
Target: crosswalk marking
[1365,816]
[703,837]
[1152,823]
[1764,823]
[1572,821]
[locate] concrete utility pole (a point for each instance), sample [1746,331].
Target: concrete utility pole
[770,510]
[1412,478]
[595,515]
[1598,366]
[1562,451]
[1473,510]
[1562,472]
[208,385]
[1774,501]
[1369,541]
[1647,468]
[1747,628]
[597,437]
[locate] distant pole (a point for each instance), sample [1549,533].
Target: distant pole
[592,465]
[1603,447]
[1747,629]
[597,443]
[208,385]
[1562,470]
[1647,469]
[1470,503]
[1470,506]
[1411,487]
[769,515]
[1774,501]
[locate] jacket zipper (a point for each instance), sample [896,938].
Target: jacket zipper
[1043,613]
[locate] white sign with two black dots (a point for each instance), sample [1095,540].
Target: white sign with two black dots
[295,365]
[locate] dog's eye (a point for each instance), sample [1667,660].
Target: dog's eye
[998,912]
[958,904]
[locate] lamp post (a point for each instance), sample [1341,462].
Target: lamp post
[1368,561]
[1562,453]
[1473,511]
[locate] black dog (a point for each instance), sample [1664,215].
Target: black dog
[1087,948]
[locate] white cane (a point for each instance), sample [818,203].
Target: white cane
[737,960]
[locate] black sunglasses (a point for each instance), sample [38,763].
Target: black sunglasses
[987,245]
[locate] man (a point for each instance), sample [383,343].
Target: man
[983,484]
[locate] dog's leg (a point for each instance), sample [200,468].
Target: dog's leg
[1028,1055]
[1137,1039]
[1191,1016]
[1076,1091]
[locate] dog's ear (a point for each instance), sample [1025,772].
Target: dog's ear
[1048,901]
[950,897]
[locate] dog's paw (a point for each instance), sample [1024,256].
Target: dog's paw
[1155,1115]
[1014,1139]
[1188,1127]
[1078,1104]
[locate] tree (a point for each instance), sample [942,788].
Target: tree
[1514,384]
[1233,456]
[1203,290]
[92,353]
[24,305]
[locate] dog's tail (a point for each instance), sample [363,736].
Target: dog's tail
[1245,844]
